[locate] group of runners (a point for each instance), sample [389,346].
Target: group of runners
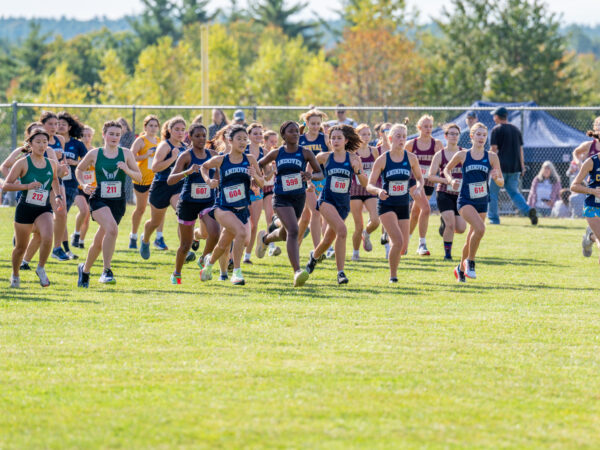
[219,188]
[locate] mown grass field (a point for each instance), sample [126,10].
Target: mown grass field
[508,360]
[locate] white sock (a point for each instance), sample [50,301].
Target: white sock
[25,261]
[355,253]
[422,241]
[159,234]
[224,274]
[132,235]
[76,233]
[247,256]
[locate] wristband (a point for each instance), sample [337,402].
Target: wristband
[58,196]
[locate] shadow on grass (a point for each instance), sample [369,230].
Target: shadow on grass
[17,297]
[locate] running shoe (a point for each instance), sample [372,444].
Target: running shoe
[533,217]
[469,267]
[72,255]
[330,253]
[144,249]
[306,232]
[342,278]
[24,266]
[107,277]
[81,244]
[384,238]
[59,253]
[247,261]
[159,244]
[261,247]
[206,273]
[84,278]
[366,238]
[274,251]
[223,277]
[203,261]
[587,243]
[175,279]
[191,256]
[312,263]
[393,280]
[422,250]
[230,266]
[195,245]
[133,243]
[41,273]
[75,240]
[300,277]
[237,279]
[355,257]
[442,226]
[459,274]
[15,282]
[447,258]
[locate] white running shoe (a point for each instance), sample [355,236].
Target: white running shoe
[41,273]
[367,241]
[469,267]
[274,251]
[261,247]
[107,277]
[587,243]
[422,250]
[237,278]
[206,273]
[330,253]
[15,282]
[300,277]
[355,257]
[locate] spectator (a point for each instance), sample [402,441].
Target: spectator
[545,189]
[507,142]
[239,118]
[576,200]
[341,117]
[219,121]
[562,207]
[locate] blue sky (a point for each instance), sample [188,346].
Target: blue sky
[577,11]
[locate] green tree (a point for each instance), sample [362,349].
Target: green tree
[275,12]
[195,11]
[501,51]
[31,58]
[157,20]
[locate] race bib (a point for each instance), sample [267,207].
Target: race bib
[449,187]
[150,159]
[88,177]
[478,190]
[424,171]
[110,189]
[200,191]
[339,185]
[68,176]
[398,188]
[37,197]
[291,182]
[234,193]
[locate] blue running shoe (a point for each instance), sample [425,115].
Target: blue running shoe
[159,244]
[144,249]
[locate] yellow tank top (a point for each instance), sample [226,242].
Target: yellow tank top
[146,164]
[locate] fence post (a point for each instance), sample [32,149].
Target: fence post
[133,118]
[254,113]
[13,126]
[385,115]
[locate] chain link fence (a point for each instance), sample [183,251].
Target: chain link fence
[549,133]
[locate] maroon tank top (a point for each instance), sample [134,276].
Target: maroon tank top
[424,157]
[456,173]
[367,165]
[594,150]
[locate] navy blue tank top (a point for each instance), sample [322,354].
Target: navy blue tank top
[593,183]
[234,188]
[475,174]
[395,177]
[57,145]
[195,188]
[316,146]
[339,178]
[261,152]
[289,165]
[164,174]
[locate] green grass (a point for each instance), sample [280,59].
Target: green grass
[508,360]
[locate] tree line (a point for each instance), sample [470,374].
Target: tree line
[511,50]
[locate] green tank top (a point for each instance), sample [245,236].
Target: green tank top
[110,179]
[41,196]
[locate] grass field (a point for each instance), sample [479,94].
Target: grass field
[509,360]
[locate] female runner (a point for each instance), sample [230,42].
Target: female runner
[254,148]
